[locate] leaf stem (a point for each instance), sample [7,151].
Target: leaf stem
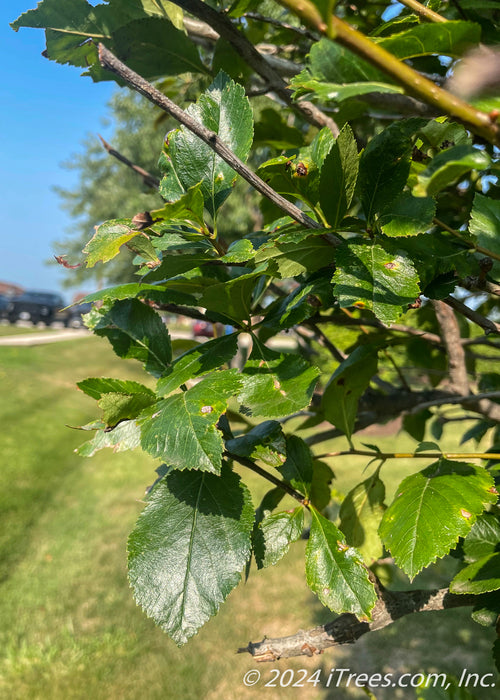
[413,82]
[244,461]
[423,11]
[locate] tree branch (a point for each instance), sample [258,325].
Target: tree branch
[377,408]
[201,32]
[223,25]
[110,62]
[147,178]
[450,333]
[346,629]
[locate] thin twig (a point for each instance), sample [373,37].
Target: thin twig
[110,62]
[281,25]
[148,179]
[244,461]
[411,455]
[422,11]
[464,400]
[475,284]
[469,244]
[222,24]
[486,324]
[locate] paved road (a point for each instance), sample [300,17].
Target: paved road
[44,337]
[55,336]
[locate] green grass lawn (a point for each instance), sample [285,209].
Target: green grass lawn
[69,627]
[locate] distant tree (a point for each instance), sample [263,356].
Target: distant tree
[106,189]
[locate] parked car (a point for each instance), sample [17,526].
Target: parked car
[73,315]
[203,329]
[35,307]
[4,304]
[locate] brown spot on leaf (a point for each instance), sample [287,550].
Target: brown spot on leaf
[391,265]
[207,409]
[465,513]
[342,546]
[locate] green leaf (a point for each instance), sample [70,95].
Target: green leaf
[154,48]
[483,538]
[407,215]
[485,222]
[444,39]
[276,384]
[264,442]
[143,247]
[347,384]
[273,130]
[198,361]
[360,515]
[321,145]
[181,429]
[274,535]
[126,436]
[97,387]
[239,251]
[448,166]
[294,258]
[189,207]
[137,289]
[330,62]
[375,277]
[136,331]
[225,110]
[188,548]
[487,609]
[109,237]
[432,509]
[384,166]
[298,467]
[118,407]
[295,177]
[320,492]
[336,92]
[335,571]
[174,265]
[414,424]
[338,177]
[233,298]
[482,576]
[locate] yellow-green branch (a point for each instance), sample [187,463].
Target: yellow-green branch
[423,11]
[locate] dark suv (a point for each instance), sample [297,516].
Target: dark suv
[35,307]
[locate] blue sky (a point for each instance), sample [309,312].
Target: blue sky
[46,110]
